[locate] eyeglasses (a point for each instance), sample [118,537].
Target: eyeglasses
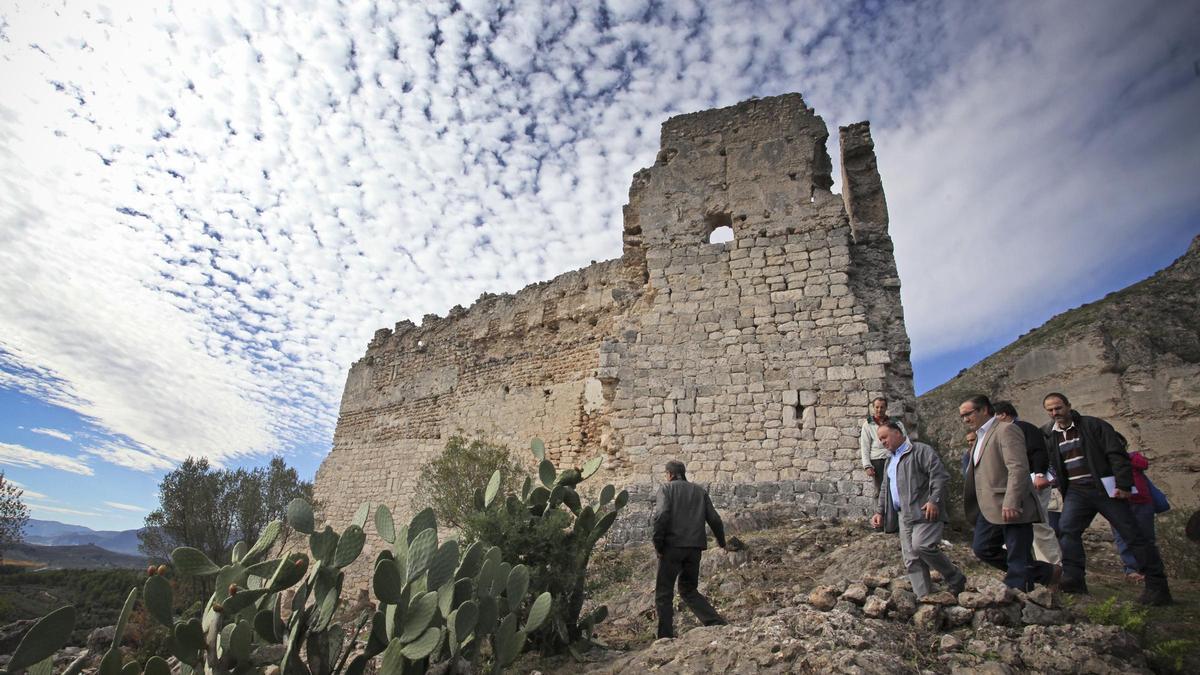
[967,414]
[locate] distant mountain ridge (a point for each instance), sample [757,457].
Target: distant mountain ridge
[88,556]
[54,533]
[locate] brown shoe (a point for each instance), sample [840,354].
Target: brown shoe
[1055,577]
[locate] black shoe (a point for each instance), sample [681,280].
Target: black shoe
[1155,597]
[959,585]
[1073,587]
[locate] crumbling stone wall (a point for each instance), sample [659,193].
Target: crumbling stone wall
[751,360]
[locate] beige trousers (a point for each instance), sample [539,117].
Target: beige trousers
[1045,544]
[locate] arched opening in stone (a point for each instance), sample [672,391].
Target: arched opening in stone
[719,227]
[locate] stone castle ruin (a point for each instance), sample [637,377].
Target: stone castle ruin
[751,360]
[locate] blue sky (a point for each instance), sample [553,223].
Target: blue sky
[207,210]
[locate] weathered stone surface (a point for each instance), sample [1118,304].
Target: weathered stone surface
[949,643]
[1044,597]
[752,360]
[856,593]
[904,603]
[939,598]
[958,616]
[875,607]
[1035,614]
[823,598]
[928,617]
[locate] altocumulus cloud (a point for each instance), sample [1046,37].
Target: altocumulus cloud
[207,210]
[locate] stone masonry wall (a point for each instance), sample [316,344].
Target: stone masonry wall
[752,360]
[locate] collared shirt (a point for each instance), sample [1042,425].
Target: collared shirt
[1070,448]
[980,436]
[891,472]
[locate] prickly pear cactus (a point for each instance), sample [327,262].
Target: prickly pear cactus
[553,512]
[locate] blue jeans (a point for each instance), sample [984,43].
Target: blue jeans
[1081,503]
[1143,515]
[1010,548]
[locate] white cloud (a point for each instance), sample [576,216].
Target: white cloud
[21,456]
[127,507]
[203,232]
[53,433]
[42,509]
[138,459]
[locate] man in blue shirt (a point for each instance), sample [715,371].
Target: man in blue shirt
[912,500]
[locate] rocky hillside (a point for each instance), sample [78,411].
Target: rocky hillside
[817,597]
[1132,358]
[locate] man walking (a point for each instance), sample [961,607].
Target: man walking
[681,509]
[874,456]
[1045,541]
[998,495]
[1095,476]
[912,500]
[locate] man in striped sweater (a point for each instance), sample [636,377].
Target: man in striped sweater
[1095,476]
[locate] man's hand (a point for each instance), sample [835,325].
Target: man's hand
[1010,514]
[870,471]
[877,520]
[931,511]
[1040,482]
[1118,493]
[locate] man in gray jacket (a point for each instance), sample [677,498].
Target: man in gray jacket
[680,511]
[912,500]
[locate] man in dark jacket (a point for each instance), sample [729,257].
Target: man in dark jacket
[1095,476]
[681,509]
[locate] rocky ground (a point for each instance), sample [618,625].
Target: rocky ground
[830,597]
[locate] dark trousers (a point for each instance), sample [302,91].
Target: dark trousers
[682,564]
[1143,515]
[1010,548]
[1081,503]
[880,466]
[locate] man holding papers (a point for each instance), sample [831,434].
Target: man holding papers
[1095,476]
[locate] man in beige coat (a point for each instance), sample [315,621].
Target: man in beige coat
[999,497]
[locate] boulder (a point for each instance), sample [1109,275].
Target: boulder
[856,593]
[940,598]
[949,643]
[928,617]
[823,598]
[904,603]
[958,616]
[875,607]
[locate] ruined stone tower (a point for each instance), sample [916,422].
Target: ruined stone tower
[752,360]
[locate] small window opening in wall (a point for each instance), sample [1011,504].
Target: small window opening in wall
[720,228]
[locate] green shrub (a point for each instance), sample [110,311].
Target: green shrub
[1124,615]
[449,481]
[1181,556]
[1171,654]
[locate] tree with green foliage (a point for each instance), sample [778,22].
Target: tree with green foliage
[13,514]
[209,509]
[448,482]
